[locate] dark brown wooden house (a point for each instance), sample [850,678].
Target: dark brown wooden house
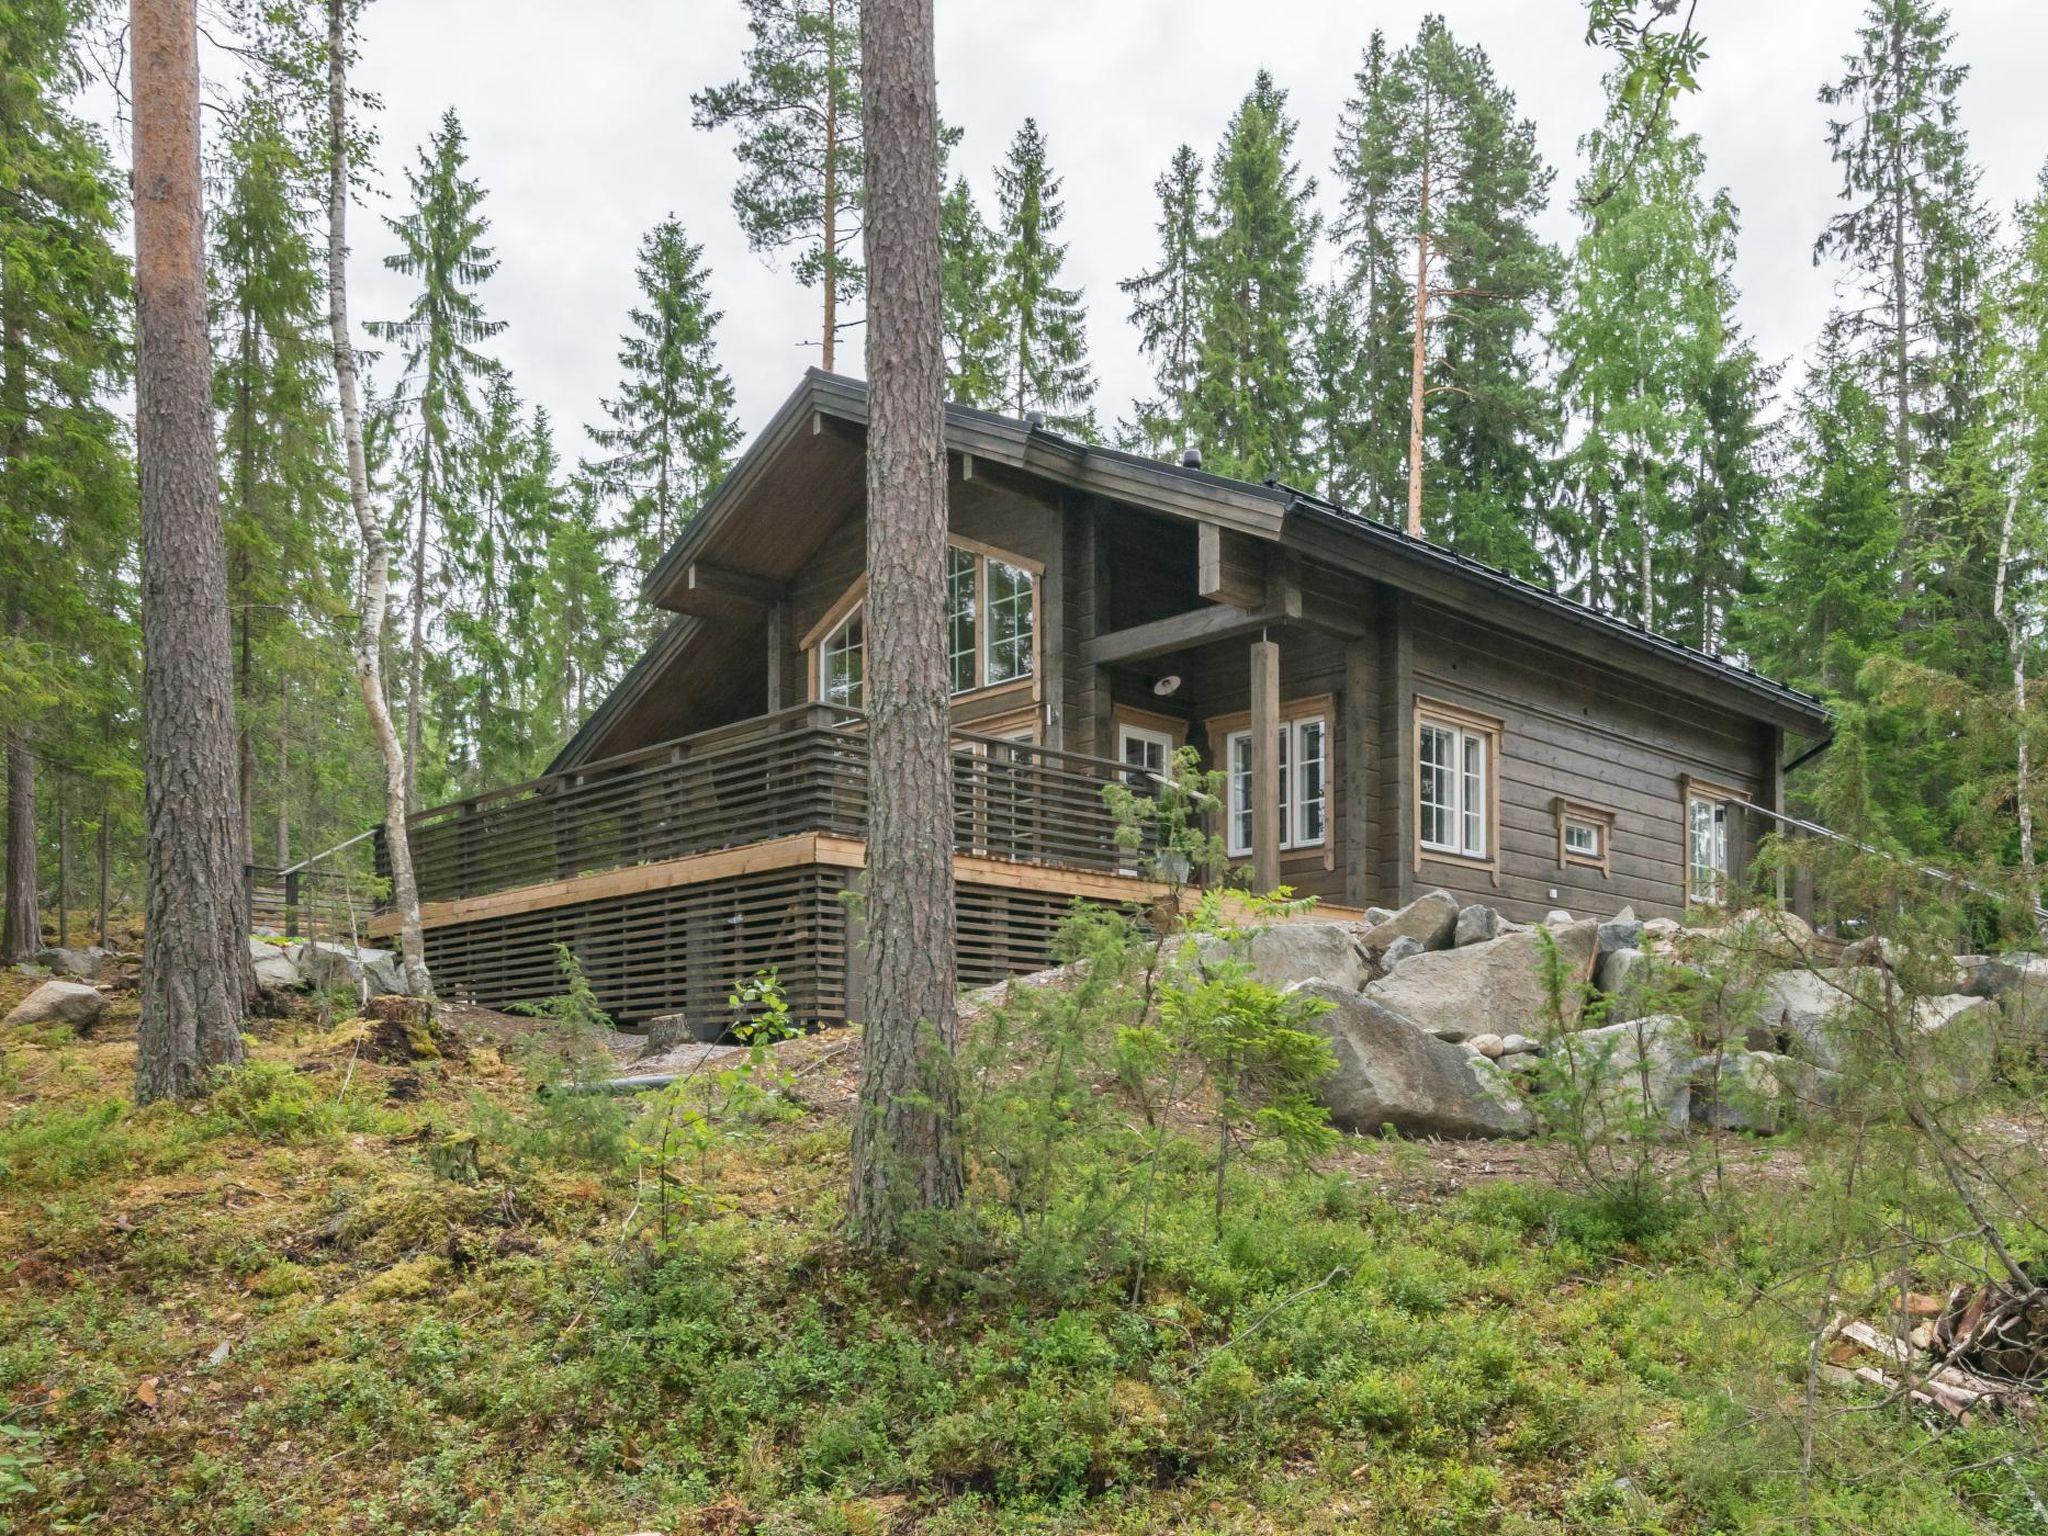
[1390,718]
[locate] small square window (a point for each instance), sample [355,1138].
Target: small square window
[1585,834]
[1582,838]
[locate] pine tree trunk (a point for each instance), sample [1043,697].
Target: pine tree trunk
[105,853]
[369,657]
[63,862]
[906,1154]
[196,976]
[831,209]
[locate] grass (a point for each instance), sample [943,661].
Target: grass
[278,1313]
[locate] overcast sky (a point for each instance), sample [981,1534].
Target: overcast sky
[578,115]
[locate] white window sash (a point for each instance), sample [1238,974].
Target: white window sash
[1454,773]
[1294,832]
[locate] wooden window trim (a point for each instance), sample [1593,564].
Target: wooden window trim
[1714,792]
[1175,730]
[1432,711]
[1597,816]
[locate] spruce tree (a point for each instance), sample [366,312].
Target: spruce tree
[971,262]
[1910,238]
[1249,409]
[280,468]
[1337,380]
[1828,600]
[1045,343]
[67,513]
[441,245]
[581,621]
[1166,308]
[797,109]
[1442,184]
[673,431]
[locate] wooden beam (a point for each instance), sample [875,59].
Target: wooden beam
[1219,621]
[1265,729]
[1230,567]
[733,588]
[1355,709]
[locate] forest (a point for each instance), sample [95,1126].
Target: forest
[1246,1213]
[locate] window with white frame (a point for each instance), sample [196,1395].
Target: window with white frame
[962,616]
[1303,789]
[1009,628]
[841,662]
[1582,838]
[1452,785]
[991,630]
[1707,861]
[1141,747]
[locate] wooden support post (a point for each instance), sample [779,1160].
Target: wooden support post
[291,905]
[1355,743]
[778,630]
[1265,730]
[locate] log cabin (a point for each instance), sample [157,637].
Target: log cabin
[1388,718]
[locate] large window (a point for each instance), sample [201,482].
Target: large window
[841,662]
[1454,767]
[991,629]
[1303,789]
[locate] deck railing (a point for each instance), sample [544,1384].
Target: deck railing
[799,770]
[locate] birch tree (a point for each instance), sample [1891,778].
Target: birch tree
[376,588]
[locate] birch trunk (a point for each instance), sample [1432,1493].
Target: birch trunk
[2002,607]
[369,658]
[196,977]
[906,1154]
[1421,358]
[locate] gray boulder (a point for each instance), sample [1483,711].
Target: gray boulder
[1619,933]
[1476,924]
[1621,1079]
[1494,988]
[1611,973]
[1556,917]
[85,964]
[275,970]
[326,966]
[1661,930]
[1390,1073]
[1492,1047]
[1805,1013]
[1958,1045]
[1403,948]
[1428,920]
[1757,1091]
[1517,1045]
[60,1002]
[1296,951]
[2001,975]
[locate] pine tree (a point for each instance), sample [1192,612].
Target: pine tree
[673,431]
[1442,183]
[1249,410]
[196,976]
[1166,309]
[971,262]
[441,244]
[1910,237]
[281,492]
[67,512]
[798,111]
[1045,341]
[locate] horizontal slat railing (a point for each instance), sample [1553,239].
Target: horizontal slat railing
[802,770]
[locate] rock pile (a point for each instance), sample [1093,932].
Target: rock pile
[1441,1014]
